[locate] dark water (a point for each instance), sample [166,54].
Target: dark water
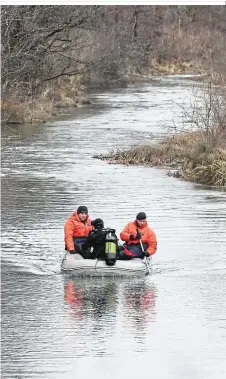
[168,326]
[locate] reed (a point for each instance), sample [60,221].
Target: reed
[186,153]
[46,103]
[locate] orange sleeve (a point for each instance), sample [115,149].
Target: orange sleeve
[124,235]
[152,243]
[68,235]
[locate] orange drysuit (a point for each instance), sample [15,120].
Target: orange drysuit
[148,236]
[74,227]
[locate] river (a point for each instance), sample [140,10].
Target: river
[170,325]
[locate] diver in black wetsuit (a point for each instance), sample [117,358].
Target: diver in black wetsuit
[95,243]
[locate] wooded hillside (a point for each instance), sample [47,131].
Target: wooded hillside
[52,53]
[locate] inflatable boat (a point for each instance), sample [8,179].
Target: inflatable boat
[76,264]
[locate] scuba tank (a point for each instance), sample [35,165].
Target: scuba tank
[110,247]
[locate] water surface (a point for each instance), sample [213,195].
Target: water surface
[169,325]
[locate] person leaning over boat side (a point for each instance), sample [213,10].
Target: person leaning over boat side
[135,234]
[76,230]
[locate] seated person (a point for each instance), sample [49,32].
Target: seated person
[140,239]
[76,230]
[95,242]
[101,243]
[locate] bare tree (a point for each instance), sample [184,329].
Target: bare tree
[37,44]
[103,45]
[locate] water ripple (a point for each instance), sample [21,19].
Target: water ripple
[59,327]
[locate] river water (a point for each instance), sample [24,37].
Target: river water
[171,325]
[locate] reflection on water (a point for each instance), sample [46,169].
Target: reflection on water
[171,324]
[110,306]
[97,300]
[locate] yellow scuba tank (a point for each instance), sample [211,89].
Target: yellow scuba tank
[110,247]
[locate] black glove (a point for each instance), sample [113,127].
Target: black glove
[72,251]
[138,236]
[131,237]
[146,253]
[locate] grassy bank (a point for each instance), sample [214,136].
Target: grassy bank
[187,156]
[50,101]
[52,55]
[197,154]
[54,97]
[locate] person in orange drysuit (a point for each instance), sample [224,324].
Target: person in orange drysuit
[140,239]
[76,230]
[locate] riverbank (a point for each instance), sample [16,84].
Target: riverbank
[185,154]
[197,155]
[50,102]
[74,92]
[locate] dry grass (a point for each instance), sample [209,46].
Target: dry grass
[171,67]
[187,152]
[49,102]
[207,168]
[20,112]
[169,152]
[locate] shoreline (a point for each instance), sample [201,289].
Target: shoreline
[179,153]
[53,101]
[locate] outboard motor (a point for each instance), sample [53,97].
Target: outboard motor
[110,247]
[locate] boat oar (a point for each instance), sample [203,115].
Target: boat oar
[145,258]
